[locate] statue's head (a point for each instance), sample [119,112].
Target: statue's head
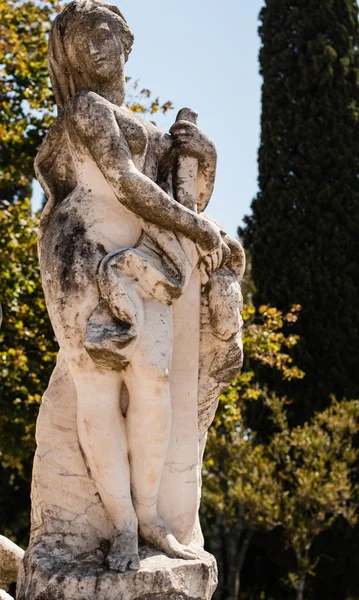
[89,44]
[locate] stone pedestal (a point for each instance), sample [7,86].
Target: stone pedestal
[59,577]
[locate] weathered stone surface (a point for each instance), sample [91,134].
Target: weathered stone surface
[5,596]
[10,558]
[86,578]
[143,294]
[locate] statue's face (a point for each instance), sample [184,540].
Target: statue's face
[96,48]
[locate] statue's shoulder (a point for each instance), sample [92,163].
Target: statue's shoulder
[85,100]
[54,135]
[51,143]
[86,111]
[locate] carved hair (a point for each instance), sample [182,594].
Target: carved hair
[64,77]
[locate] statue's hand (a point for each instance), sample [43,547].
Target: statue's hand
[212,249]
[190,140]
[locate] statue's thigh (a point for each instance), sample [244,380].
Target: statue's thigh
[96,387]
[153,354]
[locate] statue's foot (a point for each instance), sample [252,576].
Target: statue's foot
[155,532]
[123,554]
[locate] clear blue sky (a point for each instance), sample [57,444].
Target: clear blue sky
[204,54]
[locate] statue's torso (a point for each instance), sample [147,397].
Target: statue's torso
[90,222]
[108,222]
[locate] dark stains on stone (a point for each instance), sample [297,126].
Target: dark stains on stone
[74,251]
[101,248]
[52,592]
[227,360]
[106,336]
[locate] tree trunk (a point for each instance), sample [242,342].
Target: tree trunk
[230,546]
[241,557]
[236,556]
[244,549]
[301,586]
[233,539]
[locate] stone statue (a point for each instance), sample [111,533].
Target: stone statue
[143,294]
[10,559]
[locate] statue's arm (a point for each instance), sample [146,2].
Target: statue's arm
[93,120]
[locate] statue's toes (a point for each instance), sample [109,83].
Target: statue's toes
[187,554]
[134,564]
[123,563]
[112,563]
[115,563]
[177,550]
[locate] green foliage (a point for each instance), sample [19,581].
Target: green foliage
[27,354]
[234,459]
[304,231]
[265,341]
[140,100]
[255,478]
[299,478]
[27,349]
[25,98]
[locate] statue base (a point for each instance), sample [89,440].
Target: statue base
[48,572]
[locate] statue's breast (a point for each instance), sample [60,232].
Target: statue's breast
[135,133]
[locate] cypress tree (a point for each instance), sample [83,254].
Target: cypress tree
[303,234]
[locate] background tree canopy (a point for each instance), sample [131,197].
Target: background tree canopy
[26,101]
[281,460]
[303,233]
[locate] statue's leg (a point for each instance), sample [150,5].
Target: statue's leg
[148,422]
[102,435]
